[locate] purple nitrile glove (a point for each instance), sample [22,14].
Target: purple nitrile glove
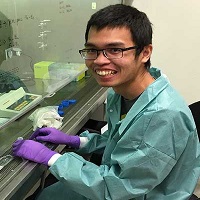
[33,151]
[55,136]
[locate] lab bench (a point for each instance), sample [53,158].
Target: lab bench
[19,176]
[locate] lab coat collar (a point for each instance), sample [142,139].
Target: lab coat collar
[151,92]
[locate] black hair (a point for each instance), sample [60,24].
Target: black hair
[120,15]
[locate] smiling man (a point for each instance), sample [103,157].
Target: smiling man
[111,54]
[150,150]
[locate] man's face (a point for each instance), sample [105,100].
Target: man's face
[118,73]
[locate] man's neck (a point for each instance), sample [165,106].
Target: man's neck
[134,89]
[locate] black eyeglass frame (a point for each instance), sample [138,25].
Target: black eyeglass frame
[104,52]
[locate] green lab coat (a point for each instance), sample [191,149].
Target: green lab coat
[153,153]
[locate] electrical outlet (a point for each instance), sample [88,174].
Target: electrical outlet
[94,6]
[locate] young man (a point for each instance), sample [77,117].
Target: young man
[150,150]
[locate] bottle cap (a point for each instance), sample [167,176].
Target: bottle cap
[65,103]
[61,113]
[72,101]
[60,107]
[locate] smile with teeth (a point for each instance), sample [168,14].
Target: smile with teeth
[105,72]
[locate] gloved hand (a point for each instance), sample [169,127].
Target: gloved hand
[33,151]
[55,136]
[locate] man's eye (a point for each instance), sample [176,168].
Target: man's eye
[90,51]
[114,50]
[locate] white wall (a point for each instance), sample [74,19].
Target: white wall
[176,42]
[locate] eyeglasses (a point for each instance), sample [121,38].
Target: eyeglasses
[110,53]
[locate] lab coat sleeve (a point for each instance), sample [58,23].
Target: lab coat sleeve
[79,175]
[95,142]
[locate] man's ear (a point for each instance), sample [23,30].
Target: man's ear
[146,53]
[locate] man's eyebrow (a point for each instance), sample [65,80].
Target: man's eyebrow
[113,44]
[89,45]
